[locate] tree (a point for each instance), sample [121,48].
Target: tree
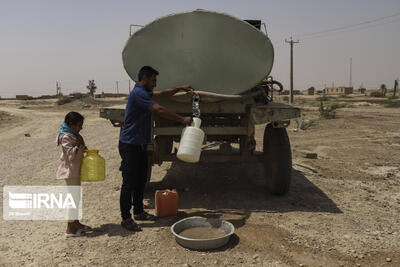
[396,84]
[383,89]
[311,90]
[91,87]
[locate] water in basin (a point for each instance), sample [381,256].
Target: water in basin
[202,233]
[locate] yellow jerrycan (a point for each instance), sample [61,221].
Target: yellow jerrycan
[93,168]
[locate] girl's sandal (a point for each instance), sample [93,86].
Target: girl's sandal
[144,216]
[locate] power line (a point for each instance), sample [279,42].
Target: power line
[338,30]
[352,30]
[348,26]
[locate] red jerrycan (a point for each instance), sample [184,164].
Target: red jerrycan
[166,203]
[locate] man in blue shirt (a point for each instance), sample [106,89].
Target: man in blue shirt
[134,137]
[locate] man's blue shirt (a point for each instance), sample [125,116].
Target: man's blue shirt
[136,128]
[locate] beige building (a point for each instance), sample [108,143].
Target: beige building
[339,90]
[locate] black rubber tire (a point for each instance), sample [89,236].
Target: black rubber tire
[277,160]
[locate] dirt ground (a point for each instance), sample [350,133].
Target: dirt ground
[343,208]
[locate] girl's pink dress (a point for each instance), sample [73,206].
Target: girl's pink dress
[71,157]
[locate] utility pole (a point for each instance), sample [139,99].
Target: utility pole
[351,73]
[58,88]
[291,42]
[129,85]
[117,87]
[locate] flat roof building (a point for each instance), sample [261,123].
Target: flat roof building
[338,90]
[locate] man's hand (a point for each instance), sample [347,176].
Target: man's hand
[169,115]
[187,120]
[185,87]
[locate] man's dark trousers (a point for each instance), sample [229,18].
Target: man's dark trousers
[134,175]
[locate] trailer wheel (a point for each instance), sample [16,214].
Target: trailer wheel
[277,160]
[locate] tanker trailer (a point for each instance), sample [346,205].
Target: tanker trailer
[228,62]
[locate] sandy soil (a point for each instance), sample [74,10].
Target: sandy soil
[343,208]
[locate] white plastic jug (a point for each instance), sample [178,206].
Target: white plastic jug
[191,140]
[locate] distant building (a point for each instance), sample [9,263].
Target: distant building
[297,92]
[311,91]
[287,92]
[362,90]
[77,95]
[338,90]
[23,97]
[46,97]
[113,95]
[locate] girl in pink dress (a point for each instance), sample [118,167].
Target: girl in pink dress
[73,147]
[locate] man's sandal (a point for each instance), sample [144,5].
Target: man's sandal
[130,225]
[144,216]
[78,233]
[86,228]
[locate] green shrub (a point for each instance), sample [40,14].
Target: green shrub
[22,107]
[393,104]
[327,112]
[64,100]
[324,98]
[377,94]
[342,105]
[304,124]
[315,104]
[286,98]
[337,105]
[393,97]
[344,96]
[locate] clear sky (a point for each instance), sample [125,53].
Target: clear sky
[73,41]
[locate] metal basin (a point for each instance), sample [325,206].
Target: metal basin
[226,227]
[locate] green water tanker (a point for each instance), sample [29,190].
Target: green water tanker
[228,62]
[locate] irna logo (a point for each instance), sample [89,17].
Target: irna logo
[41,200]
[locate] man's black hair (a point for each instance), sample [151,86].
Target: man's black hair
[72,118]
[146,71]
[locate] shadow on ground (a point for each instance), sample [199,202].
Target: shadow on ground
[109,229]
[233,191]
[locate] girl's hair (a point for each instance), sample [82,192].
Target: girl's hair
[72,118]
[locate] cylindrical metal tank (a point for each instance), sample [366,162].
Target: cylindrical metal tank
[211,51]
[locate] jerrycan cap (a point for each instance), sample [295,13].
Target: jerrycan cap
[93,151]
